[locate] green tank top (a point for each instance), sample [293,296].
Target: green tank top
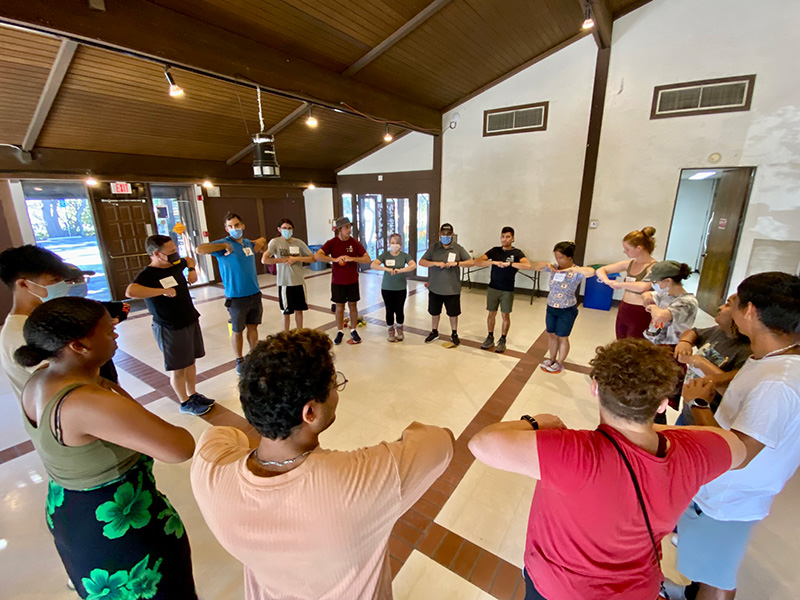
[76,467]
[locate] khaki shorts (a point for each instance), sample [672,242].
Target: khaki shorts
[495,298]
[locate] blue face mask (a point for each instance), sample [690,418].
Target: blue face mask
[79,290]
[287,233]
[236,233]
[54,290]
[446,239]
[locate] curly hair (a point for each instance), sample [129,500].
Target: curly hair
[633,377]
[776,297]
[54,324]
[280,375]
[30,261]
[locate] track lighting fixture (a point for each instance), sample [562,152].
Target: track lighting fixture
[265,165]
[311,121]
[174,88]
[588,22]
[387,136]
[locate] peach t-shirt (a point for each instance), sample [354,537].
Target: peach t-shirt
[321,530]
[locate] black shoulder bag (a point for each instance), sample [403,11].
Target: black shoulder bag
[641,502]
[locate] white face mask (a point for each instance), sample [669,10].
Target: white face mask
[394,248]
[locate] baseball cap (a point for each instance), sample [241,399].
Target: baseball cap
[664,269]
[446,228]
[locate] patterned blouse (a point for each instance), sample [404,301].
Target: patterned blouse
[563,286]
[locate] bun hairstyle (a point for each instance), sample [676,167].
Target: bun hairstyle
[54,324]
[566,248]
[643,238]
[686,271]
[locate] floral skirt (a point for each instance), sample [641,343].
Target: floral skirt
[122,540]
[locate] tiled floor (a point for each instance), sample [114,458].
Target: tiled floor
[464,539]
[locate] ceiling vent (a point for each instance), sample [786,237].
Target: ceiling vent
[515,119]
[703,97]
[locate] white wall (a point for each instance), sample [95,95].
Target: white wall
[412,152]
[669,41]
[319,214]
[690,220]
[530,181]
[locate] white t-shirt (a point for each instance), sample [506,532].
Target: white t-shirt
[762,401]
[11,338]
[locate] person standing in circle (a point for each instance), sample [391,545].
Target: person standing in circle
[632,318]
[395,265]
[117,535]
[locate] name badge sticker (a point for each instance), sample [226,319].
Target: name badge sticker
[168,282]
[294,251]
[248,251]
[390,262]
[451,257]
[630,279]
[558,277]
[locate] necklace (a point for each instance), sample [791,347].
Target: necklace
[278,463]
[774,352]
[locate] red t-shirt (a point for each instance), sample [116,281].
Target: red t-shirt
[587,537]
[348,273]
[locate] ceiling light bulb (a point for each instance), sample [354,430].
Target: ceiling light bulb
[388,136]
[588,22]
[311,121]
[174,88]
[91,181]
[311,186]
[38,189]
[207,184]
[700,175]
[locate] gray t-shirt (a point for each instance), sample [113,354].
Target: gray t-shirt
[684,311]
[445,281]
[280,247]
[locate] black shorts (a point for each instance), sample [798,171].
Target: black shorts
[181,347]
[341,294]
[292,298]
[244,311]
[452,304]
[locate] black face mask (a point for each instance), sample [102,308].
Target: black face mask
[174,258]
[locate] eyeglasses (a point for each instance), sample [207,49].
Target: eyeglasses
[341,382]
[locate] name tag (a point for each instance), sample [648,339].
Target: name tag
[248,251]
[390,262]
[168,282]
[451,257]
[630,279]
[294,251]
[559,276]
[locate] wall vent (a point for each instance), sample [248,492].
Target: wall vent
[729,94]
[515,119]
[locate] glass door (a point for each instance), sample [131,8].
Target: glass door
[176,216]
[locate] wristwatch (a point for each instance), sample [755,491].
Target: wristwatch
[534,423]
[190,268]
[699,403]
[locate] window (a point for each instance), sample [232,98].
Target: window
[515,119]
[728,94]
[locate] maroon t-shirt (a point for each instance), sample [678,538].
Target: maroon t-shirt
[347,273]
[587,537]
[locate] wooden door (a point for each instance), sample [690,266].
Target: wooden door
[123,223]
[727,213]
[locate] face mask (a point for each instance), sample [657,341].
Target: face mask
[55,290]
[236,233]
[287,233]
[394,248]
[174,258]
[446,239]
[79,290]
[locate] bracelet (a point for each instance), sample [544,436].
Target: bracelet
[190,268]
[534,423]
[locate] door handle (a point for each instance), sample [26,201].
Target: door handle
[128,255]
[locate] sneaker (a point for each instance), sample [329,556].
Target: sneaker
[432,336]
[674,591]
[454,339]
[193,407]
[488,342]
[201,399]
[553,367]
[339,337]
[239,365]
[355,336]
[500,347]
[547,362]
[398,333]
[674,539]
[390,336]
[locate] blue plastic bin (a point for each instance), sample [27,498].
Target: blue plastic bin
[597,294]
[317,265]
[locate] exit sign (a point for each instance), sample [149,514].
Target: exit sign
[120,187]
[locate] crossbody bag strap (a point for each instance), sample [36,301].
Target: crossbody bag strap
[638,493]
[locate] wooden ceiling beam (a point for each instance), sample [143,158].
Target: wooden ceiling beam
[163,35]
[603,21]
[279,126]
[57,73]
[398,35]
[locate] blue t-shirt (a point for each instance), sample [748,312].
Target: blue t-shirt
[237,269]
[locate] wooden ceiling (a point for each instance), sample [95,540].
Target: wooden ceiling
[399,61]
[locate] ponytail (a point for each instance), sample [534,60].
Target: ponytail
[29,356]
